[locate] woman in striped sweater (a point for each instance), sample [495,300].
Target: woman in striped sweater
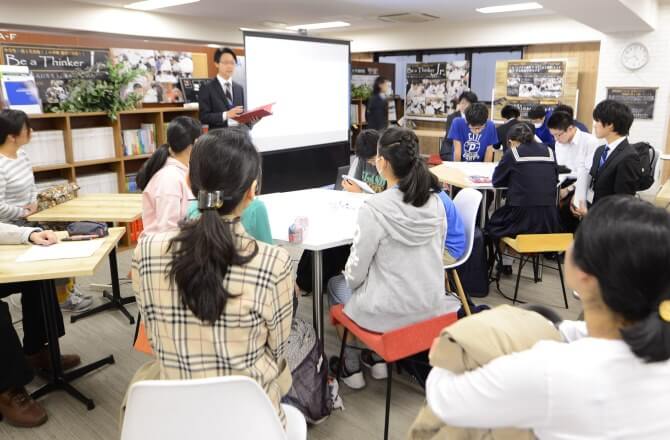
[18,194]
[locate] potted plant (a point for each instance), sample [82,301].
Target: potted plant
[99,89]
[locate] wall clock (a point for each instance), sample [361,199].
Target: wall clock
[635,56]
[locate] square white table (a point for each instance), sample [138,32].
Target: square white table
[332,221]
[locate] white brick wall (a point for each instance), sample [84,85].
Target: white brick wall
[656,73]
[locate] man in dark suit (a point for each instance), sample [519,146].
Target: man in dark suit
[464,101]
[221,100]
[616,165]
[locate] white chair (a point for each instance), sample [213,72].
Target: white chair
[232,407]
[467,203]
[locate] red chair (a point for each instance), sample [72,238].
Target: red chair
[391,346]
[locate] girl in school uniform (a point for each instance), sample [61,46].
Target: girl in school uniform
[529,171]
[162,178]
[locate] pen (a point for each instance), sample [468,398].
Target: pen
[80,238]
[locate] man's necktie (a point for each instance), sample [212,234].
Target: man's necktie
[603,158]
[229,96]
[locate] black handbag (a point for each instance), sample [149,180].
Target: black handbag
[87,228]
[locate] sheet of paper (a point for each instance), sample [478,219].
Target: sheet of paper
[362,185]
[60,251]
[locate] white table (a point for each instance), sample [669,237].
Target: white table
[332,220]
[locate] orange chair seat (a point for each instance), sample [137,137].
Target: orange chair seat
[142,342]
[396,344]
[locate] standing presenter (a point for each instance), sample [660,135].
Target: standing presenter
[221,100]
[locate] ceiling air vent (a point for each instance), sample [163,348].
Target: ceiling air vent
[408,17]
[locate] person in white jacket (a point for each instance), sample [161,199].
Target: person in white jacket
[394,276]
[611,381]
[17,363]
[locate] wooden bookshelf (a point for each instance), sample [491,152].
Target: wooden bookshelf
[119,164]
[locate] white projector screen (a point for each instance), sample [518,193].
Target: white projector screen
[307,79]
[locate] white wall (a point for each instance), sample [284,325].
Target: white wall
[92,18]
[438,35]
[656,73]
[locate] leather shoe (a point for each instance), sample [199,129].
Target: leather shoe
[19,409]
[42,361]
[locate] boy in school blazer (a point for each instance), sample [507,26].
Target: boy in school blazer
[220,100]
[616,165]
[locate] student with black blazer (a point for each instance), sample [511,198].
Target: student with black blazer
[511,116]
[221,100]
[377,109]
[464,101]
[616,165]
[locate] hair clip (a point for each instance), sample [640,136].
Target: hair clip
[664,310]
[210,199]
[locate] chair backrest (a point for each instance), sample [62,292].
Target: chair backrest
[232,407]
[340,172]
[467,203]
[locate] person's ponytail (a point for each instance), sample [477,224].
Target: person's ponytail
[400,147]
[224,165]
[152,166]
[649,338]
[182,132]
[623,242]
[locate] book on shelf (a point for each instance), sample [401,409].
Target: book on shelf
[131,183]
[98,183]
[46,147]
[93,143]
[140,141]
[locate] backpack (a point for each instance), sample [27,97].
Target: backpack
[311,392]
[647,155]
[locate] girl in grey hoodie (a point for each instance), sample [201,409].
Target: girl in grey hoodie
[395,275]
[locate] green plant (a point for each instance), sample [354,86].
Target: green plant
[99,89]
[361,92]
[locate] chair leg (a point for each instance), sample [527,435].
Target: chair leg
[522,261]
[137,327]
[387,416]
[560,275]
[447,285]
[344,344]
[461,292]
[536,268]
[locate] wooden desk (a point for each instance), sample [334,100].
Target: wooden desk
[45,272]
[430,141]
[663,197]
[106,208]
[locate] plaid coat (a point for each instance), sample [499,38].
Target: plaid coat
[249,338]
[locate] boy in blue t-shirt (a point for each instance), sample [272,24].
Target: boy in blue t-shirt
[474,136]
[454,244]
[539,116]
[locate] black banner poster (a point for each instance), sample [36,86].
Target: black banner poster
[53,67]
[535,79]
[641,100]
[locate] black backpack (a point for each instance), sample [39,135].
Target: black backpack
[647,155]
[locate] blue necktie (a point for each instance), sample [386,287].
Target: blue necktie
[603,157]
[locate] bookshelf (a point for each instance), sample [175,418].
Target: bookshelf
[117,163]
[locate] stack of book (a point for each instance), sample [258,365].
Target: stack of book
[131,183]
[46,147]
[93,143]
[98,183]
[142,141]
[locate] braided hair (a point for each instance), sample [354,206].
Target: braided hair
[400,147]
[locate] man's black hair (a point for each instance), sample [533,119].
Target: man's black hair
[221,51]
[616,113]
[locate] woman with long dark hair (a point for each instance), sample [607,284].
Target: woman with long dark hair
[612,380]
[394,276]
[215,301]
[162,178]
[377,108]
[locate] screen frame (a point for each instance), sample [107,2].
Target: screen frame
[299,37]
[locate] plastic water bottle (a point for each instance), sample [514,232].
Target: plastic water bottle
[295,233]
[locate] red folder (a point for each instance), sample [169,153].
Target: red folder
[257,113]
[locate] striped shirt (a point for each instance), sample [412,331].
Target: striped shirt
[17,186]
[249,338]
